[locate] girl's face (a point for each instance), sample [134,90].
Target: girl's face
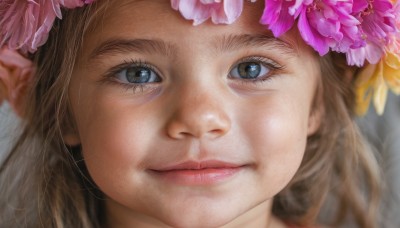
[191,125]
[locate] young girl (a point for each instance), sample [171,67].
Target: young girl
[134,117]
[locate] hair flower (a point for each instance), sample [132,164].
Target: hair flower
[377,23]
[323,24]
[15,75]
[220,11]
[374,80]
[26,23]
[340,26]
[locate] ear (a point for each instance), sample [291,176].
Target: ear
[70,133]
[71,139]
[315,118]
[317,111]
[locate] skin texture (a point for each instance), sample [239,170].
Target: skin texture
[195,111]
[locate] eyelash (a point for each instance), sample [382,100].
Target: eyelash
[273,66]
[110,76]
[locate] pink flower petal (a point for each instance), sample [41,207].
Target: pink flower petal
[220,12]
[277,17]
[310,36]
[25,24]
[73,3]
[194,10]
[13,58]
[371,52]
[233,9]
[359,5]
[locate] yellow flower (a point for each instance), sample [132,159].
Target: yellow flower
[374,81]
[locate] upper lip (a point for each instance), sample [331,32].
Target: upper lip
[196,165]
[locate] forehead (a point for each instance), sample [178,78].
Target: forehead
[155,19]
[160,10]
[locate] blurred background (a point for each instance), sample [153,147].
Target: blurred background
[383,132]
[8,124]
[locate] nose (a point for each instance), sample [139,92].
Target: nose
[198,114]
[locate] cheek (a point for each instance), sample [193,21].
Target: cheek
[114,140]
[276,132]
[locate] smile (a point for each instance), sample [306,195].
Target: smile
[193,173]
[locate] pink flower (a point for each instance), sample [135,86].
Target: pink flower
[276,15]
[15,75]
[25,24]
[341,26]
[323,24]
[378,24]
[70,4]
[377,20]
[375,80]
[372,52]
[220,11]
[330,25]
[394,38]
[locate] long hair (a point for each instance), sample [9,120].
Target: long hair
[43,183]
[338,163]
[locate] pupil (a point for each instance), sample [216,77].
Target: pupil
[249,70]
[138,74]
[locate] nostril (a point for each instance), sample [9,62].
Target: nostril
[192,130]
[185,134]
[216,132]
[206,119]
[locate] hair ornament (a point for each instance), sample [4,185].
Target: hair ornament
[220,12]
[367,32]
[24,26]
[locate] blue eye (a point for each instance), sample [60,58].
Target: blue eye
[137,75]
[249,70]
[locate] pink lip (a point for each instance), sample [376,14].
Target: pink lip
[197,173]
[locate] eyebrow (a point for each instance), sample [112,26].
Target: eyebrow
[234,42]
[220,44]
[121,46]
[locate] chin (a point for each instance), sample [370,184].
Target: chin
[211,212]
[203,217]
[197,222]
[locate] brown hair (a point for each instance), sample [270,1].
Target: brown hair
[337,163]
[45,184]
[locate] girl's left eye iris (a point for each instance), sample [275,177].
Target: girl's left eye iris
[138,75]
[249,70]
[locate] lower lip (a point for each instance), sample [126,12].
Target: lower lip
[193,177]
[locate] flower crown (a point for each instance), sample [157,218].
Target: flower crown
[367,32]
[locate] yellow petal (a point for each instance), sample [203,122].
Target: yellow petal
[363,99]
[380,96]
[380,89]
[392,78]
[392,60]
[364,86]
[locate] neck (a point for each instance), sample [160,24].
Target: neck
[258,217]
